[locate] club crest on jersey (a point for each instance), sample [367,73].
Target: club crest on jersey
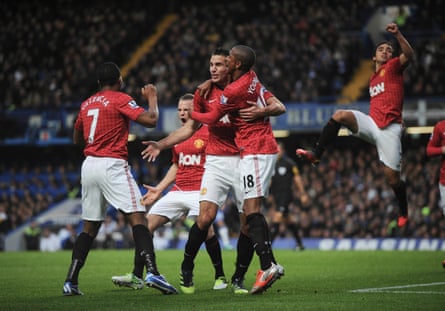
[198,143]
[133,104]
[203,191]
[382,72]
[223,100]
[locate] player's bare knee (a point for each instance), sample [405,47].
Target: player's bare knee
[339,115]
[392,176]
[204,221]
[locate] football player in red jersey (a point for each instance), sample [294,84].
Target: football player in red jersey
[258,150]
[103,125]
[221,172]
[383,126]
[185,173]
[434,148]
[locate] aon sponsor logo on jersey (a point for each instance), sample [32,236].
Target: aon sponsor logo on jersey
[377,89]
[189,159]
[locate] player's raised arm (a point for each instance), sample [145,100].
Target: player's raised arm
[407,54]
[150,117]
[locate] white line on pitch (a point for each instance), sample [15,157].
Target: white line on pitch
[388,289]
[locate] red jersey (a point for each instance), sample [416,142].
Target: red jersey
[104,119]
[386,91]
[221,133]
[189,155]
[435,145]
[254,137]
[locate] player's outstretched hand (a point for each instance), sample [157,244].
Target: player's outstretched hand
[151,152]
[151,196]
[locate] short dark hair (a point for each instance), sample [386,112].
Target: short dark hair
[383,42]
[186,96]
[221,51]
[246,55]
[108,73]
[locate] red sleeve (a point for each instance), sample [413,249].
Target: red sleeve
[128,106]
[210,117]
[432,151]
[78,123]
[434,147]
[197,101]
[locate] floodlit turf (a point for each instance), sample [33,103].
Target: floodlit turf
[314,280]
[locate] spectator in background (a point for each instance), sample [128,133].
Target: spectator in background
[106,236]
[221,227]
[162,237]
[124,231]
[402,16]
[32,236]
[67,236]
[49,241]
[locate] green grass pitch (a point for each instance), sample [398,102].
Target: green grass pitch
[314,280]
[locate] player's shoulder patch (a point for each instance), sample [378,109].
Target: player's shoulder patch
[132,103]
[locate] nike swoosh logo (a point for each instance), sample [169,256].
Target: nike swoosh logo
[211,101]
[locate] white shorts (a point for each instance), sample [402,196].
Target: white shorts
[387,141]
[108,181]
[221,175]
[256,174]
[175,204]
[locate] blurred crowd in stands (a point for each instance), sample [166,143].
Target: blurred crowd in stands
[306,51]
[349,198]
[26,192]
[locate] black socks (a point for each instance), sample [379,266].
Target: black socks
[194,242]
[214,249]
[327,136]
[259,233]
